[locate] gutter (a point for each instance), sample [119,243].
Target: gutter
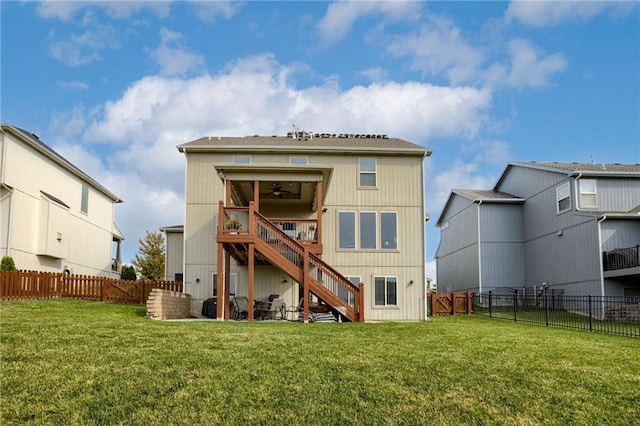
[479,252]
[602,219]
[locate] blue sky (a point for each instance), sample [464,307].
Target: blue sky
[115,86]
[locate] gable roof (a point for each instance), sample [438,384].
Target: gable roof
[575,169]
[479,195]
[324,143]
[34,142]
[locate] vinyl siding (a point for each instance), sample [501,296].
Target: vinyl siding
[619,233]
[204,190]
[618,195]
[88,237]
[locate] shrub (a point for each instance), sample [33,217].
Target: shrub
[7,264]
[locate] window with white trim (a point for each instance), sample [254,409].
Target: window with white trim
[298,160]
[242,159]
[84,201]
[347,230]
[367,172]
[588,195]
[385,291]
[388,231]
[346,295]
[233,279]
[563,198]
[368,230]
[368,234]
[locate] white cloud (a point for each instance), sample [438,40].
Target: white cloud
[527,66]
[552,13]
[81,49]
[173,57]
[376,74]
[65,10]
[79,85]
[440,48]
[341,15]
[210,10]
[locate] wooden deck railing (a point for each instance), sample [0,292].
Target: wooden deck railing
[621,258]
[21,285]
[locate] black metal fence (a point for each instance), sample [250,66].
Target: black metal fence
[615,315]
[621,258]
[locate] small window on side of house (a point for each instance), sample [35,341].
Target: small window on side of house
[563,198]
[385,291]
[367,172]
[84,202]
[299,160]
[242,159]
[588,194]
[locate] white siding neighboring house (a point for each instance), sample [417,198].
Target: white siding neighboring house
[574,227]
[54,217]
[349,207]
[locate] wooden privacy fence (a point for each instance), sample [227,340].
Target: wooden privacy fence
[20,285]
[450,303]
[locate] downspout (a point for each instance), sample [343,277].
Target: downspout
[577,191]
[479,252]
[602,219]
[2,180]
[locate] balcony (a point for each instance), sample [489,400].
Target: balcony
[621,262]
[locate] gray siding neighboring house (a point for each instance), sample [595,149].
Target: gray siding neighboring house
[561,224]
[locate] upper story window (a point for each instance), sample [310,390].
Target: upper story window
[373,232]
[299,160]
[563,198]
[242,159]
[368,234]
[388,231]
[84,201]
[347,230]
[367,172]
[588,197]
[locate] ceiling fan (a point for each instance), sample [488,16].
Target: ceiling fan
[277,191]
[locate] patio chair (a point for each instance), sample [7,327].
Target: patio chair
[240,307]
[276,309]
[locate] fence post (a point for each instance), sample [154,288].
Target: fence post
[546,307]
[453,303]
[490,306]
[515,306]
[590,315]
[469,302]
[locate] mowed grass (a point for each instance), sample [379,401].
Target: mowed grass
[90,363]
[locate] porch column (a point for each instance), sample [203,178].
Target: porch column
[227,278]
[256,194]
[305,283]
[251,278]
[219,283]
[319,211]
[227,201]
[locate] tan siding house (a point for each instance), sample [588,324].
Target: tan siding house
[332,220]
[53,217]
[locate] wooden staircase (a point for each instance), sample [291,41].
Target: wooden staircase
[296,260]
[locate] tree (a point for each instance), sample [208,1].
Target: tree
[129,273]
[7,264]
[149,262]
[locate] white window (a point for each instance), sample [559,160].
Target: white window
[345,295]
[385,291]
[347,230]
[299,160]
[373,233]
[84,201]
[233,279]
[368,234]
[588,198]
[388,231]
[563,198]
[367,171]
[242,159]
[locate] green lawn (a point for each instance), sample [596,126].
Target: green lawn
[90,363]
